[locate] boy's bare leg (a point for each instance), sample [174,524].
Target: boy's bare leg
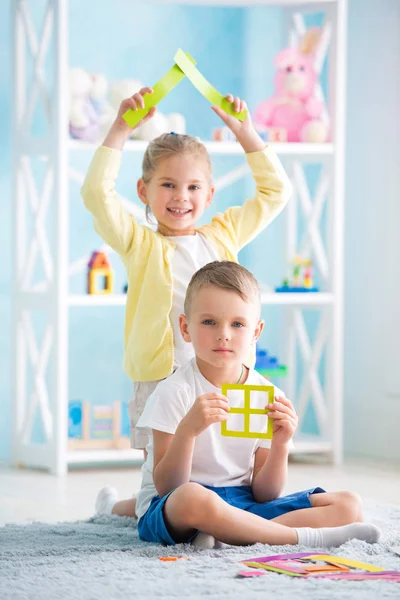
[126,508]
[330,509]
[192,507]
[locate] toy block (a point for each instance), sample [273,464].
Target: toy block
[99,429]
[272,134]
[247,411]
[99,269]
[223,134]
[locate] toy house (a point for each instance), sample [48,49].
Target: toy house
[100,275]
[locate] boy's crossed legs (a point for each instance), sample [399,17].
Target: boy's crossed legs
[329,522]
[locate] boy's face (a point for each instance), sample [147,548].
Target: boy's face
[178,193]
[221,326]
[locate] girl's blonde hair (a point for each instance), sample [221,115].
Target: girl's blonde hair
[171,144]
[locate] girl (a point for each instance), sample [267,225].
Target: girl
[176,187]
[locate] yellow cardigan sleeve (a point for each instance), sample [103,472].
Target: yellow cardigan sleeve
[113,223]
[239,225]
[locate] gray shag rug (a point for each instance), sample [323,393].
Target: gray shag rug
[103,558]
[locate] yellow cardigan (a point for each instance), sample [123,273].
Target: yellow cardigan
[147,255]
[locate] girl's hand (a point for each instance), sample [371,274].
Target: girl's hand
[120,130]
[207,409]
[285,420]
[244,130]
[134,102]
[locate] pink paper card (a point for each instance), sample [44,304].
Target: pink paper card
[359,576]
[262,559]
[288,565]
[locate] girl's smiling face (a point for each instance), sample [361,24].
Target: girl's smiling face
[178,193]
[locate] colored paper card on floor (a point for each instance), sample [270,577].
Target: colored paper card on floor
[205,88]
[263,559]
[348,562]
[160,90]
[268,567]
[359,576]
[289,565]
[312,569]
[247,411]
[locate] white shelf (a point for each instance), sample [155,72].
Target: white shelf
[293,149]
[310,446]
[45,360]
[104,456]
[97,300]
[297,299]
[300,299]
[135,457]
[248,3]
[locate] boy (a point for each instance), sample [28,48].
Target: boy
[196,480]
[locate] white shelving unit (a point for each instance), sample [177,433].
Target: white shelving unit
[41,365]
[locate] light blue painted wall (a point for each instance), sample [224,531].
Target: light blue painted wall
[372,332]
[222,51]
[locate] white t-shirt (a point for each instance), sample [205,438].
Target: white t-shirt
[217,460]
[191,253]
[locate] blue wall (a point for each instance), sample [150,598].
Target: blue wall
[372,283]
[234,51]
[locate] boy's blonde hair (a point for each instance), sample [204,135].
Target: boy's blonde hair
[171,144]
[226,275]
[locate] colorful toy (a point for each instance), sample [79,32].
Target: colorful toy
[302,279]
[247,411]
[223,134]
[99,269]
[272,134]
[307,564]
[295,105]
[99,428]
[184,66]
[268,134]
[269,365]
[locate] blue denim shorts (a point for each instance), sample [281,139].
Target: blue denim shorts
[152,526]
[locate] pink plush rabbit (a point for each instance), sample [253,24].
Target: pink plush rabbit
[295,106]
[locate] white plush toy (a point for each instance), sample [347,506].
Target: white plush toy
[88,109]
[160,123]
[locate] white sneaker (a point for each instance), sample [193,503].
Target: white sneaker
[105,500]
[205,541]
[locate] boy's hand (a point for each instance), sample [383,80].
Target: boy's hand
[285,420]
[207,409]
[244,130]
[120,130]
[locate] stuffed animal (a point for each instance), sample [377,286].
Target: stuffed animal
[160,123]
[295,105]
[87,105]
